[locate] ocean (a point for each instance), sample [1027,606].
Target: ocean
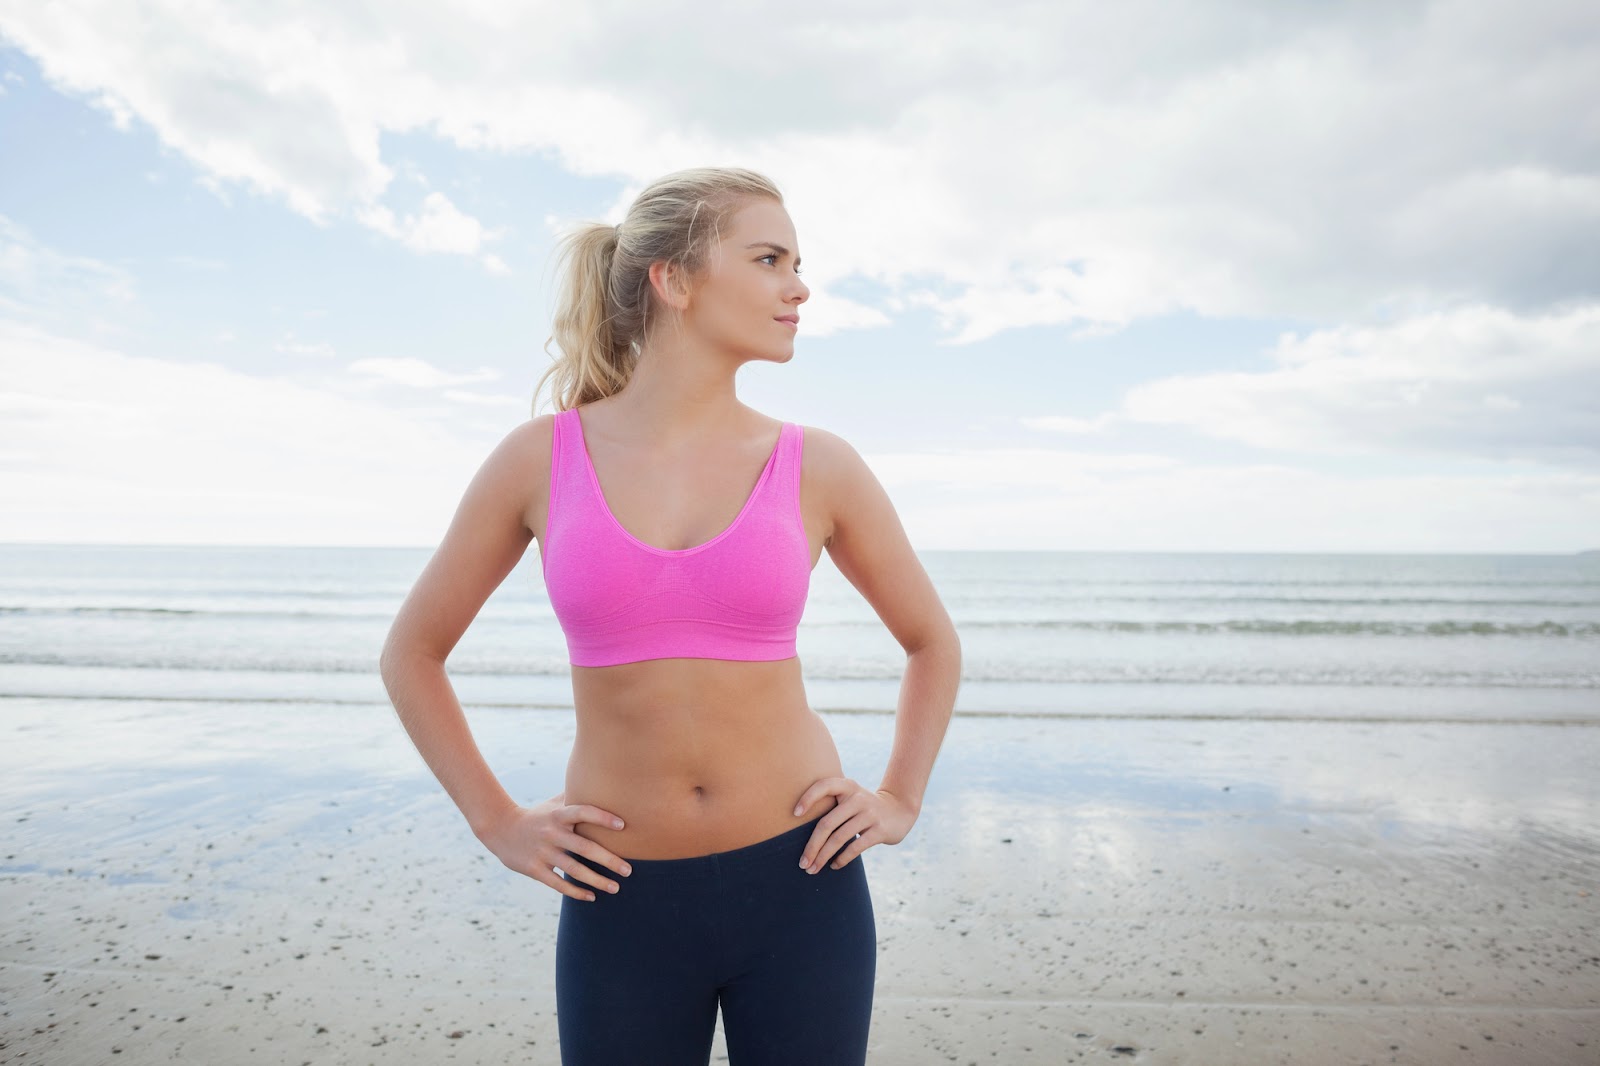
[1478,638]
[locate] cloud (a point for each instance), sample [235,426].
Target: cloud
[1476,381]
[290,345]
[41,284]
[1079,163]
[509,403]
[97,445]
[278,107]
[416,373]
[439,227]
[1063,500]
[1068,424]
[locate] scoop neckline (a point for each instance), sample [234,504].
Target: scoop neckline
[594,479]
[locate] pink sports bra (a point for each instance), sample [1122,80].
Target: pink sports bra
[739,595]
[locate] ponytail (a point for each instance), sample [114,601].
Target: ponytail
[596,357]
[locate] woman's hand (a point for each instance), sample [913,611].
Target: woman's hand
[878,817]
[535,840]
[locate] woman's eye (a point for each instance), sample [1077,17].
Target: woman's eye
[774,255]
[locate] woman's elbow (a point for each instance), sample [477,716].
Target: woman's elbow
[937,642]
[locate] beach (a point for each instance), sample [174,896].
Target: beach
[199,881]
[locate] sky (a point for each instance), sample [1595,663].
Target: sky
[1154,276]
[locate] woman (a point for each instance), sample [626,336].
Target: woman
[707,844]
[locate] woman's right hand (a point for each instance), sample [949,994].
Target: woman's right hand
[535,840]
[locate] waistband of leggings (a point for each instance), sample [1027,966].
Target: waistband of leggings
[790,840]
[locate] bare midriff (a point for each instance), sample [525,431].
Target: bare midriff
[695,755]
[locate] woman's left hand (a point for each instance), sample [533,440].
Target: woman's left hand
[878,817]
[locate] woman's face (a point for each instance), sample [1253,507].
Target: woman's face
[751,282]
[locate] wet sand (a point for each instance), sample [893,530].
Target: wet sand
[202,883]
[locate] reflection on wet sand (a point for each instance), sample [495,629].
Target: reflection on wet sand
[1075,890]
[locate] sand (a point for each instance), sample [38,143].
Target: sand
[284,883]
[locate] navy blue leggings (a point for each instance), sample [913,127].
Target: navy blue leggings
[790,956]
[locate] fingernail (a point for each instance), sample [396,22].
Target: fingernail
[626,870]
[616,823]
[802,862]
[797,810]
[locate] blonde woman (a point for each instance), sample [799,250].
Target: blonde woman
[707,845]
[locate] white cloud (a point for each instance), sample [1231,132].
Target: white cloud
[820,318]
[290,345]
[416,373]
[1068,424]
[1045,500]
[96,445]
[41,284]
[439,227]
[1076,163]
[1477,380]
[479,399]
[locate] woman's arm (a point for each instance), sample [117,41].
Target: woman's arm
[868,544]
[422,695]
[487,537]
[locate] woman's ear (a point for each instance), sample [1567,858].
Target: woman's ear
[668,281]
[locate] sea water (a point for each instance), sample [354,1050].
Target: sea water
[1097,634]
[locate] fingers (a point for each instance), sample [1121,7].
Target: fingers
[590,850]
[817,791]
[576,870]
[560,884]
[584,812]
[854,848]
[580,877]
[581,881]
[582,845]
[827,840]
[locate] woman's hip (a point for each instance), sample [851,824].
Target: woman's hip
[739,894]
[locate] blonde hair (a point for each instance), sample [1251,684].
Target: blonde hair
[605,306]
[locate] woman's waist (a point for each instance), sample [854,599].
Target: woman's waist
[688,798]
[675,824]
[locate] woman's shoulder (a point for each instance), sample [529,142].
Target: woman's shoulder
[833,472]
[523,453]
[531,438]
[825,449]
